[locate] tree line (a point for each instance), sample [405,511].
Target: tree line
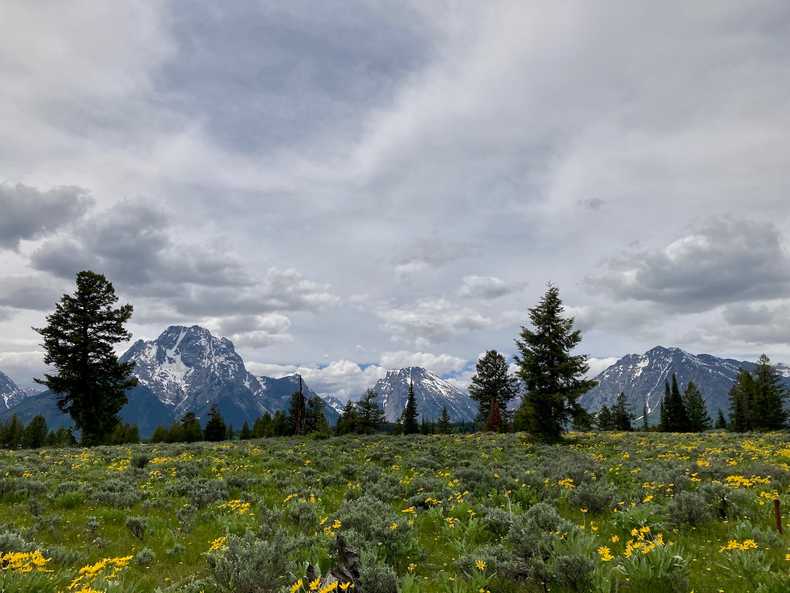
[90,382]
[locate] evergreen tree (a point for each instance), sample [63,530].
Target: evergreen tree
[494,421]
[124,434]
[426,427]
[215,427]
[662,423]
[190,429]
[492,383]
[230,434]
[315,420]
[281,425]
[769,395]
[741,402]
[12,433]
[245,433]
[298,410]
[79,342]
[444,426]
[621,415]
[721,421]
[675,410]
[370,416]
[645,426]
[410,425]
[262,426]
[35,433]
[347,423]
[604,418]
[696,410]
[583,421]
[160,435]
[554,379]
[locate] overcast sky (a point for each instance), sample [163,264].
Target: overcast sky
[344,186]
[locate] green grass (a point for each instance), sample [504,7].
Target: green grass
[471,493]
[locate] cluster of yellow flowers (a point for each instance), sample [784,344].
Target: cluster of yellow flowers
[242,507]
[218,544]
[88,573]
[316,585]
[566,483]
[329,530]
[644,543]
[738,481]
[605,553]
[742,546]
[24,561]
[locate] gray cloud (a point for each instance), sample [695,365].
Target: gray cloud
[723,261]
[390,149]
[485,287]
[28,213]
[34,292]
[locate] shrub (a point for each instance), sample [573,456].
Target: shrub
[596,496]
[144,557]
[252,565]
[688,508]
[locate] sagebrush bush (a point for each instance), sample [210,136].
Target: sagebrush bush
[688,508]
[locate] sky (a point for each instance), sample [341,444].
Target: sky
[346,186]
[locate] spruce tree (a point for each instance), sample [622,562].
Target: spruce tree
[604,418]
[315,420]
[494,421]
[721,421]
[262,427]
[190,429]
[245,433]
[370,416]
[79,342]
[215,427]
[675,410]
[741,402]
[410,423]
[444,426]
[645,425]
[492,383]
[35,434]
[554,378]
[696,410]
[621,415]
[298,410]
[160,435]
[769,395]
[662,423]
[280,424]
[347,423]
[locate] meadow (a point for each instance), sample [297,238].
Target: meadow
[630,512]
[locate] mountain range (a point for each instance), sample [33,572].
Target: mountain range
[641,377]
[187,369]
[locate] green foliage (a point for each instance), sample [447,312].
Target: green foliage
[492,384]
[554,378]
[696,410]
[79,342]
[215,427]
[409,419]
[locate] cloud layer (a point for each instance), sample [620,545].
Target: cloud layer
[343,186]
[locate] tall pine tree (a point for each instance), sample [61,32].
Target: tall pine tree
[621,415]
[298,411]
[675,410]
[742,402]
[410,423]
[79,342]
[215,427]
[370,416]
[696,411]
[492,383]
[553,377]
[444,426]
[769,395]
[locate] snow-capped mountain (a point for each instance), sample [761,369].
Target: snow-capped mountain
[10,393]
[189,370]
[431,392]
[641,377]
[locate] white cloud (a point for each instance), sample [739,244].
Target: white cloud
[433,320]
[438,363]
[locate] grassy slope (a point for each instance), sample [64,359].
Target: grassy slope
[50,494]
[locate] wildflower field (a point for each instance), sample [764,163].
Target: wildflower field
[634,512]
